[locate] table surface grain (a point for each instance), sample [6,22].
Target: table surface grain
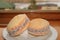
[55,24]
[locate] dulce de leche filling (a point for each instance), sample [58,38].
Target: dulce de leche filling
[39,31]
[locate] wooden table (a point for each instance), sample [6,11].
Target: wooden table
[55,24]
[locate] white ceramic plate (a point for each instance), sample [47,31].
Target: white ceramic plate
[26,36]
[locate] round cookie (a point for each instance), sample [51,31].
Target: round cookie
[39,27]
[18,25]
